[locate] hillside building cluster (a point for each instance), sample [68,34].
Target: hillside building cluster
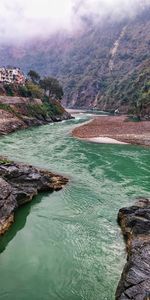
[12,75]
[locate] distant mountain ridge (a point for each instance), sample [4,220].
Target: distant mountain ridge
[98,66]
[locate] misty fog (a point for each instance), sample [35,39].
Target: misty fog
[26,19]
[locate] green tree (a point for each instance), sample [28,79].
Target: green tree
[34,91]
[9,88]
[34,76]
[23,91]
[52,87]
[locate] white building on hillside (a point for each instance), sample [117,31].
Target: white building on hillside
[11,75]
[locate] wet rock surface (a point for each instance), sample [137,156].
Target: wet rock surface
[19,183]
[135,225]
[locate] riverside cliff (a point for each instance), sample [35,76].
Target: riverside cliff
[135,224]
[19,113]
[19,183]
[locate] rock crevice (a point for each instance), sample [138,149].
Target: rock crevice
[135,225]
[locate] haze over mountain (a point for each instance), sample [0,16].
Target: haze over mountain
[22,20]
[98,49]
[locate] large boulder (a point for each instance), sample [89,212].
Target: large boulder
[135,279]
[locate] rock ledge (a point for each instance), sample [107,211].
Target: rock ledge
[19,183]
[135,225]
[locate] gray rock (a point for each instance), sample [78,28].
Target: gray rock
[135,279]
[19,183]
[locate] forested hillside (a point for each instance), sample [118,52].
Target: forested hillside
[129,83]
[104,65]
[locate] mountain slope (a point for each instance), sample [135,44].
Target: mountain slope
[129,81]
[94,64]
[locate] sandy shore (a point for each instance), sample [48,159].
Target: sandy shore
[114,130]
[104,140]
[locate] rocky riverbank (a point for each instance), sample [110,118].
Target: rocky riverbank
[116,128]
[19,113]
[19,183]
[135,224]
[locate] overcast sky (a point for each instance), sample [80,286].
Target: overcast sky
[21,19]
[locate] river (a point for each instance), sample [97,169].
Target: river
[67,245]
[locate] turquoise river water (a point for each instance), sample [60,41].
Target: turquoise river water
[67,245]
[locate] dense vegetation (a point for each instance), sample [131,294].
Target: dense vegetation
[129,84]
[34,87]
[45,111]
[82,63]
[47,89]
[131,93]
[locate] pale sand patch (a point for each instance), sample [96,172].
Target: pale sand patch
[75,111]
[104,140]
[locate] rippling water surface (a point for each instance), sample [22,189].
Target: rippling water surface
[67,245]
